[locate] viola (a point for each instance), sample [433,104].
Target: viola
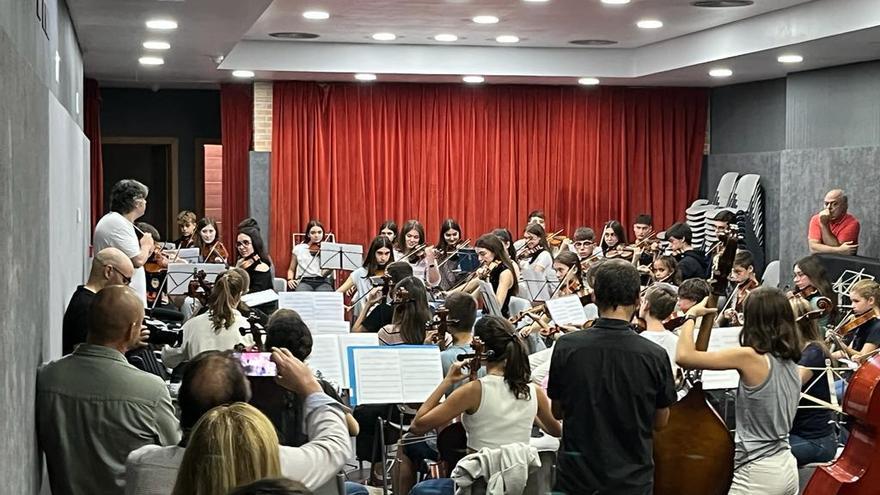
[806,292]
[857,470]
[199,288]
[440,323]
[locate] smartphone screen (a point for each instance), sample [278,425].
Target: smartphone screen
[257,363]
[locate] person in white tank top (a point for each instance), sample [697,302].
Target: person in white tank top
[497,409]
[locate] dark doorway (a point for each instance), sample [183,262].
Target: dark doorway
[153,162]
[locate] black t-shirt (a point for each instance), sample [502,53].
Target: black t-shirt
[611,382]
[261,281]
[284,408]
[693,264]
[813,422]
[378,318]
[75,326]
[495,280]
[867,333]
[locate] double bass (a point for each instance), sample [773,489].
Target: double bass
[693,454]
[857,470]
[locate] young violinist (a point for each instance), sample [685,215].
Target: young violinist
[690,292]
[305,272]
[721,224]
[571,282]
[768,393]
[745,281]
[186,223]
[156,266]
[411,314]
[585,244]
[211,249]
[377,311]
[389,230]
[253,259]
[412,249]
[496,266]
[864,339]
[657,306]
[692,263]
[507,241]
[812,436]
[535,254]
[497,409]
[534,216]
[614,243]
[445,253]
[358,284]
[643,228]
[665,269]
[811,282]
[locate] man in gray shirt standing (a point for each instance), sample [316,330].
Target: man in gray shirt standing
[93,408]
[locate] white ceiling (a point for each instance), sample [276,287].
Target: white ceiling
[693,40]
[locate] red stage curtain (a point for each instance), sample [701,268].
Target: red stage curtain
[236,127]
[92,120]
[353,155]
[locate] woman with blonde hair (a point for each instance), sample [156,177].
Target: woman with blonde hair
[229,446]
[217,329]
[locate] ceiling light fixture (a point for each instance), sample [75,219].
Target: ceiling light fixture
[593,42]
[790,58]
[365,77]
[446,37]
[588,81]
[473,79]
[507,38]
[615,2]
[650,24]
[151,60]
[316,15]
[384,36]
[721,72]
[485,19]
[244,74]
[717,4]
[162,24]
[157,45]
[291,35]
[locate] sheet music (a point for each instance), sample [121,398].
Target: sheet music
[378,376]
[314,305]
[721,338]
[353,340]
[258,298]
[567,310]
[394,374]
[328,327]
[326,358]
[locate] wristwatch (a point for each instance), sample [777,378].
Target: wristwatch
[690,317]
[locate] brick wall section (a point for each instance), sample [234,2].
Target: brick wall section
[263,116]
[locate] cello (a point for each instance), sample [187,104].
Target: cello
[693,454]
[857,470]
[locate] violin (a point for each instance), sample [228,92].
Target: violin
[314,248]
[197,282]
[401,296]
[485,270]
[253,259]
[824,305]
[807,292]
[555,239]
[851,323]
[624,252]
[440,323]
[528,252]
[476,358]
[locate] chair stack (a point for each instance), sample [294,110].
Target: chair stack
[742,195]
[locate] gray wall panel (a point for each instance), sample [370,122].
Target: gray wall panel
[749,117]
[806,175]
[767,166]
[259,193]
[836,107]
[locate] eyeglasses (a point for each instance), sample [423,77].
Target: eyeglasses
[125,280]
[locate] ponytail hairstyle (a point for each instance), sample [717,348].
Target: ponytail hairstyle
[370,263]
[257,243]
[769,324]
[448,224]
[536,230]
[224,299]
[505,236]
[493,243]
[498,335]
[571,260]
[410,317]
[812,268]
[867,289]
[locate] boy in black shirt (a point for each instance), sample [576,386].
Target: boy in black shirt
[611,388]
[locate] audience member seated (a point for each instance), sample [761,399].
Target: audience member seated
[93,408]
[834,230]
[217,329]
[229,446]
[496,410]
[109,267]
[272,486]
[691,262]
[373,320]
[215,378]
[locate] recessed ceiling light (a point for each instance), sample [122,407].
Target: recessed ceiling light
[721,72]
[161,24]
[790,59]
[473,79]
[485,19]
[151,61]
[365,77]
[446,37]
[722,3]
[157,45]
[507,38]
[244,74]
[384,36]
[290,35]
[649,24]
[316,15]
[615,2]
[593,42]
[588,81]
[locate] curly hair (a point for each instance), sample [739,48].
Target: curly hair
[125,193]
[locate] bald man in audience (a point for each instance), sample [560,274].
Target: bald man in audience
[109,267]
[215,378]
[834,230]
[93,408]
